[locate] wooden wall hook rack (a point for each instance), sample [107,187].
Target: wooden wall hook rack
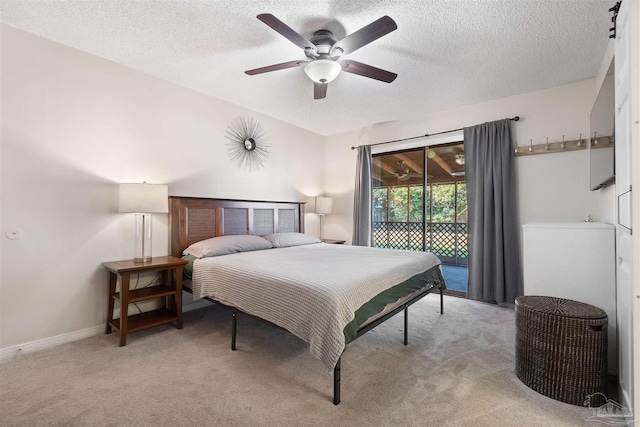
[561,146]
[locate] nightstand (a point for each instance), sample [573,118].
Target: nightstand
[170,288]
[334,241]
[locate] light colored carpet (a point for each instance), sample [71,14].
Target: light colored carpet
[458,370]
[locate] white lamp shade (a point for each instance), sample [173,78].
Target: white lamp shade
[322,70]
[144,198]
[323,205]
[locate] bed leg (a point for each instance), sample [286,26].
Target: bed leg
[441,300]
[336,383]
[406,325]
[234,322]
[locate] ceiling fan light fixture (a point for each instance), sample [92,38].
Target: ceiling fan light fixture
[322,70]
[460,159]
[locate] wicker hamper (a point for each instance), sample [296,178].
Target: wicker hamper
[561,347]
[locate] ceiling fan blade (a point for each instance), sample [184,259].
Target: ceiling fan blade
[365,70]
[364,36]
[320,90]
[275,67]
[288,33]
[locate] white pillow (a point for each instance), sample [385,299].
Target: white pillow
[284,240]
[225,245]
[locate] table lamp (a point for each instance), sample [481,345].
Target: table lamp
[143,200]
[323,206]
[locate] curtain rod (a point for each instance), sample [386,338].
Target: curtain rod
[515,119]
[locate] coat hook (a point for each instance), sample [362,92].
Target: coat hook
[546,146]
[595,138]
[517,149]
[562,144]
[531,145]
[580,141]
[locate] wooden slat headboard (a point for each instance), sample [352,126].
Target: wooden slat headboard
[192,219]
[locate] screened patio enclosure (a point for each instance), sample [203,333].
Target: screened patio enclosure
[418,208]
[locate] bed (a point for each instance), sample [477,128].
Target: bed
[327,295]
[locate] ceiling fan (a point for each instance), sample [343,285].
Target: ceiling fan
[403,173]
[460,160]
[323,53]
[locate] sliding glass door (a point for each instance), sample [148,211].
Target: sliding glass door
[398,200]
[420,203]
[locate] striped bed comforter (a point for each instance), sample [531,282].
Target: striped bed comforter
[312,291]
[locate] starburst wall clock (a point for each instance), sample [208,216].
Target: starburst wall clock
[247,145]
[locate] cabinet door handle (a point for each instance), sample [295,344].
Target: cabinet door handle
[630,209]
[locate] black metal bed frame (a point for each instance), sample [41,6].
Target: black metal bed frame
[193,219]
[337,370]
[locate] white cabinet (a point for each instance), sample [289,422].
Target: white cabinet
[573,260]
[627,111]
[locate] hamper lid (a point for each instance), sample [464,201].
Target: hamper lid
[560,307]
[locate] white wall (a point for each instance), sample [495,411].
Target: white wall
[73,126]
[551,187]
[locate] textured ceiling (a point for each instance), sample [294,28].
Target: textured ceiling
[447,53]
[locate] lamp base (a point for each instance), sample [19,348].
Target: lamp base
[321,226]
[143,238]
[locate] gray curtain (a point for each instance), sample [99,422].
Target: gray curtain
[362,211]
[494,251]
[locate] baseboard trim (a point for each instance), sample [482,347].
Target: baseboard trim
[32,346]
